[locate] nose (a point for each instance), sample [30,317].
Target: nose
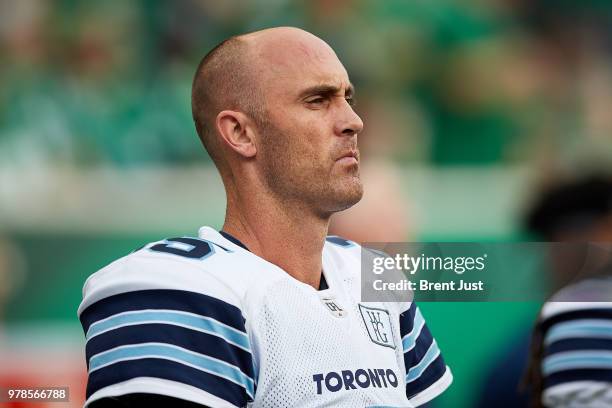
[349,123]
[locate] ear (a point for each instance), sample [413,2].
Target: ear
[236,131]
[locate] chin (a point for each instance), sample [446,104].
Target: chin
[347,195]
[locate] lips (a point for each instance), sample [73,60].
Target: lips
[351,154]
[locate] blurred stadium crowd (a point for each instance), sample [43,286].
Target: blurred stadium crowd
[464,82]
[453,93]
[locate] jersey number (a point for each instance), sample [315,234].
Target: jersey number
[186,247]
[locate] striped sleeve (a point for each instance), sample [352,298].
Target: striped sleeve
[576,364]
[172,342]
[427,376]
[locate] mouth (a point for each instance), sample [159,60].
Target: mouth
[349,157]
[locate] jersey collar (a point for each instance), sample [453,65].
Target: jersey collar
[232,238]
[223,238]
[212,235]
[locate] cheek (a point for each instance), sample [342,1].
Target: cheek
[302,137]
[317,137]
[315,154]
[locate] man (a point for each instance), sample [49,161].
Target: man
[266,312]
[570,362]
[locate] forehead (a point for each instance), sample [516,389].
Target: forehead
[290,64]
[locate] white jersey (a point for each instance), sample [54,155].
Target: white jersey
[576,331]
[205,320]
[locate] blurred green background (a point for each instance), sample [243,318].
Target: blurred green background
[470,107]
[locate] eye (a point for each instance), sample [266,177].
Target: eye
[316,100]
[350,100]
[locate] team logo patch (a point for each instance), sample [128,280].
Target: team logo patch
[333,306]
[378,325]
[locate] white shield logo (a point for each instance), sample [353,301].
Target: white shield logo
[378,324]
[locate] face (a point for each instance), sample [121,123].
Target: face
[307,145]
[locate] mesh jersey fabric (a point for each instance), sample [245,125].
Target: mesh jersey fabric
[207,321]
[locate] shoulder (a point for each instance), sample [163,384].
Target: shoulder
[576,328]
[342,257]
[350,251]
[168,317]
[585,295]
[341,249]
[189,267]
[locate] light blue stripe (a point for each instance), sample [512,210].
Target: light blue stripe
[416,371]
[585,328]
[409,340]
[206,324]
[164,351]
[573,360]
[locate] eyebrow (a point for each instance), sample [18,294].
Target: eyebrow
[326,89]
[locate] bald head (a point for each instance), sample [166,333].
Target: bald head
[232,76]
[274,110]
[223,81]
[282,48]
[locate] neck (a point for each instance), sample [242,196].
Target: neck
[289,236]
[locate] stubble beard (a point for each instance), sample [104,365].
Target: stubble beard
[303,181]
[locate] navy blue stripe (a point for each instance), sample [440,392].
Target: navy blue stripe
[566,376]
[578,344]
[193,340]
[414,356]
[164,299]
[233,239]
[407,320]
[432,374]
[575,315]
[339,241]
[168,370]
